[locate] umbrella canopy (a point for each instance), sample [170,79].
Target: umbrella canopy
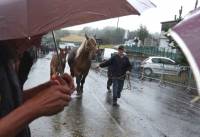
[27,18]
[187,34]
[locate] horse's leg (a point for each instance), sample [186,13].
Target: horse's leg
[51,68]
[72,72]
[83,81]
[63,66]
[52,71]
[78,84]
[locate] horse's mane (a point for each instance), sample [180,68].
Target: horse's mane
[83,44]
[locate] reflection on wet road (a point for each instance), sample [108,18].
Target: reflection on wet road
[148,110]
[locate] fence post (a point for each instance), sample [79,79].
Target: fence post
[162,75]
[189,78]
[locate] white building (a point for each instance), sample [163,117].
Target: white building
[164,44]
[164,41]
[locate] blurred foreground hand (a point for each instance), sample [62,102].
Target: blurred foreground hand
[54,97]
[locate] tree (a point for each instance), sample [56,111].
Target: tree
[109,35]
[114,34]
[132,34]
[142,33]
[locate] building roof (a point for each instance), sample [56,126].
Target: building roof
[168,24]
[172,21]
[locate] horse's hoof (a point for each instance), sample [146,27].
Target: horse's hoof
[81,90]
[79,95]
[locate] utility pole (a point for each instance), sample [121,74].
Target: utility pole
[180,13]
[196,4]
[117,22]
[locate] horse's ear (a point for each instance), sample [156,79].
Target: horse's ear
[86,36]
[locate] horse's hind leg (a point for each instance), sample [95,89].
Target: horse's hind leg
[63,66]
[52,71]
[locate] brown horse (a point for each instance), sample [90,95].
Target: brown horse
[55,67]
[79,60]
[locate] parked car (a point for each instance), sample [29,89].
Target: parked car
[160,65]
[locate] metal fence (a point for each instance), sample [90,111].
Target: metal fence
[154,51]
[185,79]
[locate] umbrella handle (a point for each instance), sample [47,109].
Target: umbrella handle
[59,58]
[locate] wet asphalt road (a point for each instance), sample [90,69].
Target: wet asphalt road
[147,110]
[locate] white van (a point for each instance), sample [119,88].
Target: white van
[107,53]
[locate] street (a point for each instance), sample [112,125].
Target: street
[147,110]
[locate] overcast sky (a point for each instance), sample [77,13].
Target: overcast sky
[151,18]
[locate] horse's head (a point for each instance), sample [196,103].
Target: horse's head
[90,45]
[63,52]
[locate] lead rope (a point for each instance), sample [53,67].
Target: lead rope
[127,80]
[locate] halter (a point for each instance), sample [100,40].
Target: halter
[125,77]
[85,46]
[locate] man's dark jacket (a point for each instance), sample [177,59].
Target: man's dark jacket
[117,65]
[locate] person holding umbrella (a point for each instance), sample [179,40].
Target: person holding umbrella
[18,108]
